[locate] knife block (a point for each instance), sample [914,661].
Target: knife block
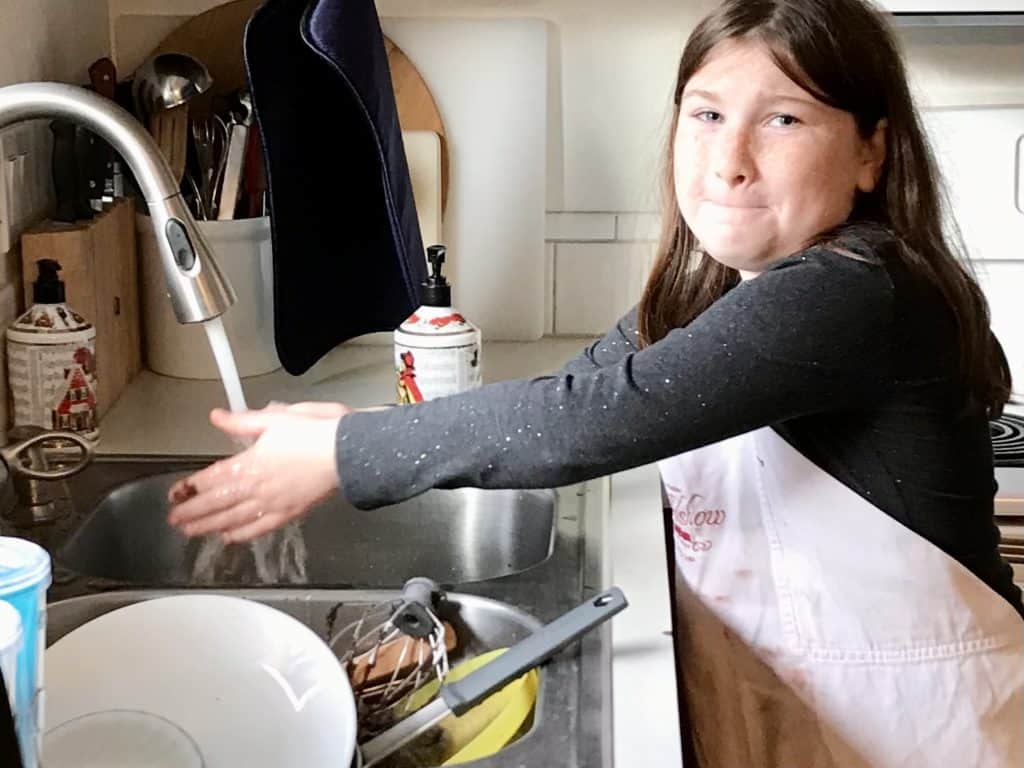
[99,267]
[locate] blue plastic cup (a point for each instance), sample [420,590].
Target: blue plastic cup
[24,579]
[10,647]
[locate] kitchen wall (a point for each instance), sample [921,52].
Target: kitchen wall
[611,66]
[43,40]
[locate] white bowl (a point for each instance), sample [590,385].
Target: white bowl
[249,685]
[119,738]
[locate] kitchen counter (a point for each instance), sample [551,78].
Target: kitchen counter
[161,415]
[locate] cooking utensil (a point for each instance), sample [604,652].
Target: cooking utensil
[215,38]
[395,657]
[395,626]
[89,187]
[103,76]
[209,138]
[167,80]
[65,171]
[231,181]
[170,129]
[254,178]
[491,724]
[162,87]
[234,162]
[460,696]
[194,197]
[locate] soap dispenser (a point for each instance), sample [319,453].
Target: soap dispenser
[51,361]
[437,350]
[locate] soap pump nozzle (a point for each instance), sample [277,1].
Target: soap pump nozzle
[436,290]
[48,288]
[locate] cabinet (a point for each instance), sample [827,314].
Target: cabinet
[955,13]
[952,6]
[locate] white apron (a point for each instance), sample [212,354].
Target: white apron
[814,630]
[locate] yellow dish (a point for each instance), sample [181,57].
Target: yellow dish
[491,724]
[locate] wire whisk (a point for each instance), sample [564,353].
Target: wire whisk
[392,650]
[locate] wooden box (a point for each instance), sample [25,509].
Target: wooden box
[99,268]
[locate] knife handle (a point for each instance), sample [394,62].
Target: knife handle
[255,177]
[65,170]
[86,189]
[233,166]
[103,77]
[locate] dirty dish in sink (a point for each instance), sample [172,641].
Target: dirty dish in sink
[119,739]
[490,725]
[247,683]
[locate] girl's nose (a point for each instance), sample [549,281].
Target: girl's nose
[732,159]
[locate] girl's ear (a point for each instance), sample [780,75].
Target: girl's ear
[873,157]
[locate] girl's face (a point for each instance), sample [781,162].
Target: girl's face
[761,166]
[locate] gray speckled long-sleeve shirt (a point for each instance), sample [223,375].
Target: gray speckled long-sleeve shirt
[851,360]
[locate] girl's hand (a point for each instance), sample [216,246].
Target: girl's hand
[287,470]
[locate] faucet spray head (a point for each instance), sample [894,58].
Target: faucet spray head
[197,289]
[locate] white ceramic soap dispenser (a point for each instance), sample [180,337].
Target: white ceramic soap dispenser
[437,351]
[51,361]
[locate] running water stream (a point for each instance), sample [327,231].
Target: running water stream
[278,556]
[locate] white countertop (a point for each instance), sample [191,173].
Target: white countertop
[162,415]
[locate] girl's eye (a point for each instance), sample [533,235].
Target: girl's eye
[785,120]
[708,116]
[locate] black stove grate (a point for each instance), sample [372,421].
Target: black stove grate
[1008,440]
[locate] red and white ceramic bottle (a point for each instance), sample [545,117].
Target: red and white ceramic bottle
[437,350]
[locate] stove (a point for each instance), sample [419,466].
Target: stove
[1008,440]
[1008,453]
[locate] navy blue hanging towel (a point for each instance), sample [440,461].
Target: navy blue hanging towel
[348,254]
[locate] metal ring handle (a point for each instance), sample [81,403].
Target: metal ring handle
[11,455]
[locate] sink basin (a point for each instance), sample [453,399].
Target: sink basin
[454,537]
[508,559]
[479,623]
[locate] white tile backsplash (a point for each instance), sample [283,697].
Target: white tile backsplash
[638,226]
[596,283]
[549,288]
[608,118]
[979,154]
[571,226]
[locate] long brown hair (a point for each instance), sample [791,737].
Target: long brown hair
[844,54]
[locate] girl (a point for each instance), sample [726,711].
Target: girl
[814,372]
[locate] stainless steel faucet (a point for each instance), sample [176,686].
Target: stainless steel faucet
[195,285]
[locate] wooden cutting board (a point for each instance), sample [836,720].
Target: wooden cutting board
[215,37]
[417,110]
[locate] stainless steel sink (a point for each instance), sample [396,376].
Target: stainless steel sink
[480,625]
[453,537]
[508,559]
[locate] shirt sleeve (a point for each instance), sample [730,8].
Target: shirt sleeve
[812,334]
[616,344]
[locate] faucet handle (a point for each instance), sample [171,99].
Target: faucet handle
[29,441]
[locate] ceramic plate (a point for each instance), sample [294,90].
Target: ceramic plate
[247,684]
